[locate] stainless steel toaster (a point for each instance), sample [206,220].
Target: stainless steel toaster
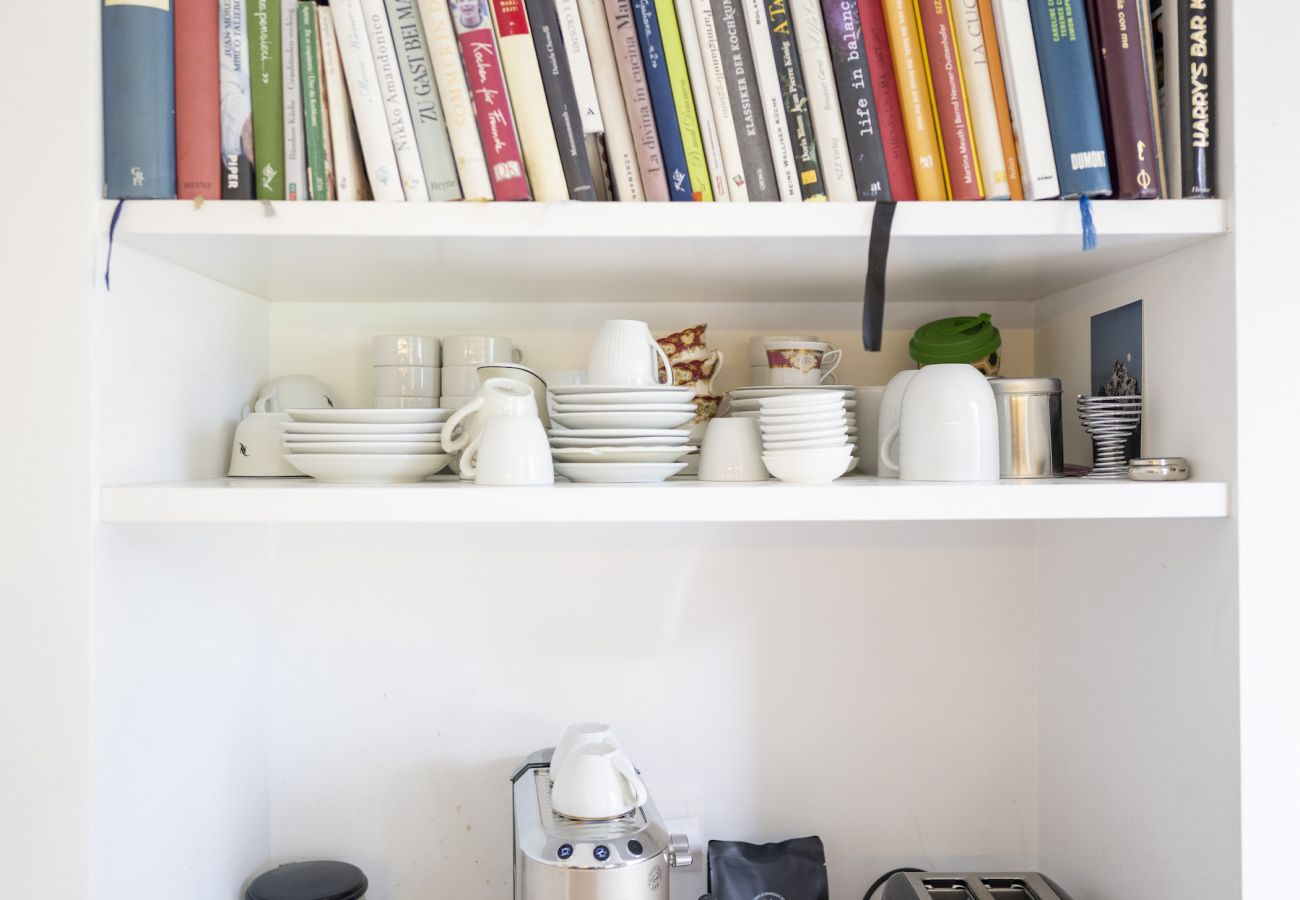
[558,858]
[972,886]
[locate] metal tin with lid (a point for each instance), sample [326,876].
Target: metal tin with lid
[322,879]
[1030,441]
[961,339]
[1162,468]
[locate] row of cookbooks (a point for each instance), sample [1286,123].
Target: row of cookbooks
[659,99]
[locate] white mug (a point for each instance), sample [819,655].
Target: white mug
[523,375]
[405,350]
[626,353]
[499,396]
[258,447]
[509,450]
[579,734]
[294,392]
[479,351]
[758,353]
[891,407]
[406,381]
[868,421]
[948,430]
[732,450]
[800,362]
[597,781]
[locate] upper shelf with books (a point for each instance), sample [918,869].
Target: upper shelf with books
[754,252]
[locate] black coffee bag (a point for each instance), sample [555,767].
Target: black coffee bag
[791,870]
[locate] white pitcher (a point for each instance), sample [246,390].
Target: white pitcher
[626,353]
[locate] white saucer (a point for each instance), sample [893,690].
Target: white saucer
[563,390]
[775,428]
[361,468]
[622,407]
[572,442]
[294,440]
[622,433]
[582,420]
[663,394]
[351,428]
[370,416]
[742,393]
[620,473]
[812,403]
[806,444]
[801,401]
[620,454]
[389,447]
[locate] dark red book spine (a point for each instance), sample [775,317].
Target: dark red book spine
[198,100]
[951,111]
[1119,57]
[880,63]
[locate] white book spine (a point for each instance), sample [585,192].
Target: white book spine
[1025,97]
[769,92]
[720,100]
[457,106]
[393,94]
[823,101]
[367,105]
[584,82]
[979,98]
[342,155]
[703,105]
[620,148]
[295,133]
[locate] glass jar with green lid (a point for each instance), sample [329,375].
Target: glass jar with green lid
[961,339]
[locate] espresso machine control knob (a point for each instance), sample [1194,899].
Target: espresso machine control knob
[679,851]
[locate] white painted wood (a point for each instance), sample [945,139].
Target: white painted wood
[548,252]
[854,499]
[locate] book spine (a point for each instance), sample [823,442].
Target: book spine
[428,124]
[198,99]
[971,49]
[344,159]
[746,107]
[139,101]
[1147,36]
[719,100]
[697,166]
[794,95]
[914,97]
[1170,88]
[853,81]
[393,94]
[621,164]
[316,182]
[823,99]
[1122,77]
[493,112]
[367,104]
[457,106]
[948,94]
[636,97]
[772,101]
[236,105]
[1025,97]
[267,75]
[1006,134]
[561,99]
[699,86]
[574,42]
[889,111]
[295,136]
[661,98]
[1070,90]
[1197,74]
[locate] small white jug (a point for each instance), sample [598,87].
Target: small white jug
[626,353]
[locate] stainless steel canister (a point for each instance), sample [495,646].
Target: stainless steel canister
[1029,427]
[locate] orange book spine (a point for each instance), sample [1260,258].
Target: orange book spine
[1000,99]
[914,97]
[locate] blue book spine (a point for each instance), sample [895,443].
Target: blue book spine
[139,100]
[1070,90]
[661,99]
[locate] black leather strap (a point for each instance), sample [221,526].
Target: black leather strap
[873,299]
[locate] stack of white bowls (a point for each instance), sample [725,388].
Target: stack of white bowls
[461,358]
[806,436]
[620,433]
[746,401]
[406,371]
[366,446]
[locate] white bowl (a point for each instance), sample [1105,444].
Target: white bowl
[808,444]
[364,468]
[815,453]
[803,427]
[804,470]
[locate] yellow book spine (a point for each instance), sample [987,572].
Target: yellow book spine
[697,166]
[915,99]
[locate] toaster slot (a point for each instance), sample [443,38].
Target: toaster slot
[947,889]
[1008,889]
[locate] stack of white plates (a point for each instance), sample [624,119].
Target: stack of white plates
[620,433]
[366,446]
[746,401]
[806,436]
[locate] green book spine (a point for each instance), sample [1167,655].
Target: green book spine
[268,97]
[675,61]
[312,102]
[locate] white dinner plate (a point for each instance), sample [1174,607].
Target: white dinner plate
[580,420]
[622,408]
[745,393]
[390,447]
[618,442]
[564,390]
[371,416]
[406,437]
[797,427]
[620,454]
[349,428]
[661,395]
[367,468]
[620,473]
[807,444]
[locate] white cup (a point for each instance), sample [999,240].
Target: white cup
[405,350]
[891,408]
[732,450]
[294,392]
[523,375]
[579,734]
[509,450]
[626,353]
[948,430]
[258,447]
[460,381]
[479,351]
[758,353]
[387,401]
[498,397]
[868,421]
[800,362]
[407,381]
[597,781]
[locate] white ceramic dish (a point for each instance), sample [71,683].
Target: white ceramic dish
[624,433]
[799,427]
[371,416]
[563,390]
[786,390]
[364,468]
[843,452]
[826,431]
[622,408]
[662,395]
[582,420]
[323,428]
[406,437]
[618,473]
[806,444]
[800,401]
[620,454]
[757,405]
[804,471]
[390,447]
[792,419]
[571,442]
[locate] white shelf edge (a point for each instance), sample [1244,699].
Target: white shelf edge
[854,499]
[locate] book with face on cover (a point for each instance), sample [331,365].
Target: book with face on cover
[621,167]
[811,33]
[427,121]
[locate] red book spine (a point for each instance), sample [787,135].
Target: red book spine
[496,124]
[198,100]
[949,96]
[880,62]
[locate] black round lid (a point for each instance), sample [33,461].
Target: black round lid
[321,879]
